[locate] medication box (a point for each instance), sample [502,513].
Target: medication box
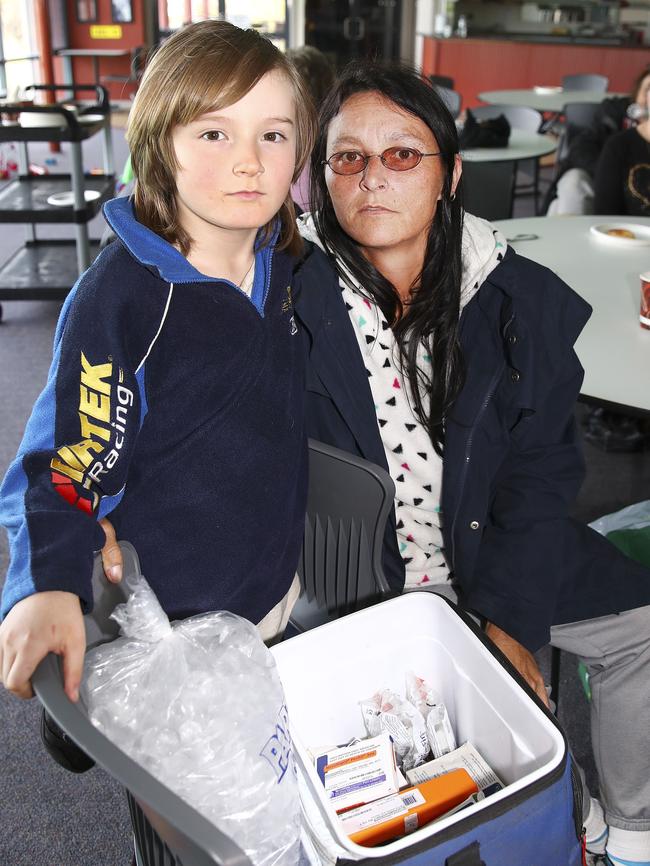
[534,820]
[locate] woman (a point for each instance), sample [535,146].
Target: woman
[622,180]
[443,356]
[437,352]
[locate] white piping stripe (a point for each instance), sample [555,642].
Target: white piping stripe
[162,322]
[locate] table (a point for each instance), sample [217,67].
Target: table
[521,145]
[94,54]
[613,348]
[552,102]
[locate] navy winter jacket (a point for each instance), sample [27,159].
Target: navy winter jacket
[175,404]
[512,464]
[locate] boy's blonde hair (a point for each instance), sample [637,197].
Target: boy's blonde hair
[202,67]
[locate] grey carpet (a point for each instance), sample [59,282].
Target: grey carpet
[52,818]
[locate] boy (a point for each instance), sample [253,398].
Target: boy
[174,400]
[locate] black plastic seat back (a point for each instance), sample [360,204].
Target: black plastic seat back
[488,188]
[585,81]
[348,504]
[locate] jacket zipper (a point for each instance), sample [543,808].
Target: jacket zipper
[468,447]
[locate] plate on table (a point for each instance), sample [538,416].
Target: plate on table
[622,234]
[66,199]
[543,89]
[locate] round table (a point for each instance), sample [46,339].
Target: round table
[553,102]
[521,145]
[613,348]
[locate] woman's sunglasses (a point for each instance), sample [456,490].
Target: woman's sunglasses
[394,158]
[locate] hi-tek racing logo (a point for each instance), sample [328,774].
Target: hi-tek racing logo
[103,417]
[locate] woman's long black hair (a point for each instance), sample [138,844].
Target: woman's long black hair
[432,317]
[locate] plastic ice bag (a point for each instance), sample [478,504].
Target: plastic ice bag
[387,711]
[199,703]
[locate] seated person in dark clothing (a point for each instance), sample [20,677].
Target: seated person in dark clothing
[622,180]
[573,191]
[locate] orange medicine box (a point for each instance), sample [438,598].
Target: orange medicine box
[402,813]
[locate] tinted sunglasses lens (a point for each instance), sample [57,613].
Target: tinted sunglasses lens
[401,158]
[346,163]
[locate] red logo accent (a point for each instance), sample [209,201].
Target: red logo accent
[65,488]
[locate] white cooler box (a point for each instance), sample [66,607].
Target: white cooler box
[327,671]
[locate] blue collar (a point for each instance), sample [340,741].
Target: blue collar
[154,252]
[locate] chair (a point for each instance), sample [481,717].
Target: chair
[488,188]
[586,81]
[442,81]
[138,59]
[340,567]
[451,98]
[577,116]
[519,117]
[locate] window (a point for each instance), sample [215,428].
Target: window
[18,53]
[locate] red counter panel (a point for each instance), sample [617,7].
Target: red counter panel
[492,64]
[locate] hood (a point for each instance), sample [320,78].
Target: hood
[483,247]
[159,255]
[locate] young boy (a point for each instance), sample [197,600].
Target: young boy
[174,400]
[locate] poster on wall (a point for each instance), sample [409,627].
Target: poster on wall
[86,11]
[122,11]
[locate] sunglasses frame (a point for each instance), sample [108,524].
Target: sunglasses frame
[367,157]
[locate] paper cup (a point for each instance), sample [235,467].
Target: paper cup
[644,314]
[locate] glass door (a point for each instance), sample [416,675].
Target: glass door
[350,29]
[18,53]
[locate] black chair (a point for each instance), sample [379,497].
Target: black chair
[577,116]
[488,188]
[442,81]
[340,566]
[530,120]
[450,97]
[585,81]
[138,59]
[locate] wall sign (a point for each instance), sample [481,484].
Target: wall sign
[105,31]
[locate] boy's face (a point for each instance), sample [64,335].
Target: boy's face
[237,163]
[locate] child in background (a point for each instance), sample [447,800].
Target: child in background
[174,400]
[318,75]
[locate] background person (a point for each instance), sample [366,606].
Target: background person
[573,193]
[318,75]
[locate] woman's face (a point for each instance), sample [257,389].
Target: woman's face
[382,209]
[643,93]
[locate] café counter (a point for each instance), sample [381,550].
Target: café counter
[496,64]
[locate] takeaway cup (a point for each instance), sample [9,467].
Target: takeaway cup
[644,314]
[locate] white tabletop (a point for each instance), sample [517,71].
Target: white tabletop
[521,145]
[542,101]
[613,348]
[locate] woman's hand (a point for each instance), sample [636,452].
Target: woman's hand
[42,623]
[111,553]
[520,658]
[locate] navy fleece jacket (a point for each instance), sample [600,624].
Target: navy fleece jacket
[175,403]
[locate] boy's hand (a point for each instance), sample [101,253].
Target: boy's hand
[520,658]
[111,553]
[41,623]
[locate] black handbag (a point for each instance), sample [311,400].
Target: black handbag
[493,132]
